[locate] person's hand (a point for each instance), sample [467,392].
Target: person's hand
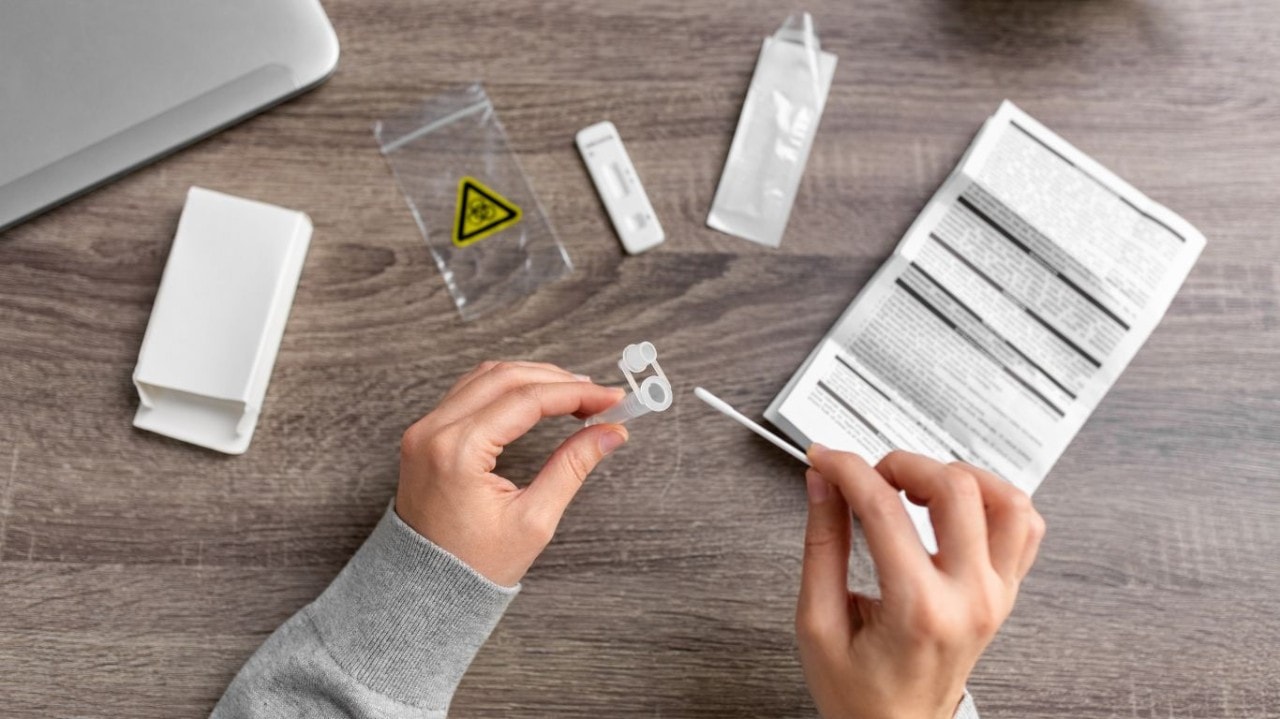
[448,491]
[908,654]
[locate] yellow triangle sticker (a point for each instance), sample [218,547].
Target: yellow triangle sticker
[481,212]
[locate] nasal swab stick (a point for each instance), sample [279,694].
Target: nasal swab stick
[724,408]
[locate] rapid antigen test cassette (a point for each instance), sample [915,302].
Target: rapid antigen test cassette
[619,186]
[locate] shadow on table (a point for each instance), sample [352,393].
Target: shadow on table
[1056,27]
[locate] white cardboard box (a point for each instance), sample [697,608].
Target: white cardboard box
[218,318]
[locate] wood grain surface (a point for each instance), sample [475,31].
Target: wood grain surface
[137,573]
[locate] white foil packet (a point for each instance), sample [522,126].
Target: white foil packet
[775,131]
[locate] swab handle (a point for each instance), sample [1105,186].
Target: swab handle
[727,410]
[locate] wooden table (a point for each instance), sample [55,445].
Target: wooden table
[139,573]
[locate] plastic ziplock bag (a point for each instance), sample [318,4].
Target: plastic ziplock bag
[483,224]
[775,131]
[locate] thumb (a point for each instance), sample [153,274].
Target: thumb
[564,473]
[822,610]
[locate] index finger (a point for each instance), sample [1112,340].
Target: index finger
[503,378]
[895,546]
[955,506]
[1013,523]
[507,418]
[487,367]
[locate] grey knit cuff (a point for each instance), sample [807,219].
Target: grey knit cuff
[405,618]
[967,709]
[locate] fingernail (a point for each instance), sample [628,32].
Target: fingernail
[610,441]
[819,490]
[817,450]
[582,377]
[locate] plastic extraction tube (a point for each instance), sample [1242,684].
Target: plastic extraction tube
[654,396]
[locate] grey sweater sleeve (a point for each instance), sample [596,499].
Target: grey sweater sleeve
[967,709]
[390,638]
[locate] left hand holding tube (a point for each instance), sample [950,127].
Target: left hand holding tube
[448,490]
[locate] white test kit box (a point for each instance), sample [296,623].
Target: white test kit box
[218,318]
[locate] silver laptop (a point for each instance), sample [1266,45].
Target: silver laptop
[91,89]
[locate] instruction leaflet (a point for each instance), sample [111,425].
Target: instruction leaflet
[1017,297]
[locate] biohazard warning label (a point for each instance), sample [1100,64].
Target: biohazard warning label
[481,212]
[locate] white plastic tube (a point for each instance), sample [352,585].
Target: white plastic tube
[654,396]
[636,357]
